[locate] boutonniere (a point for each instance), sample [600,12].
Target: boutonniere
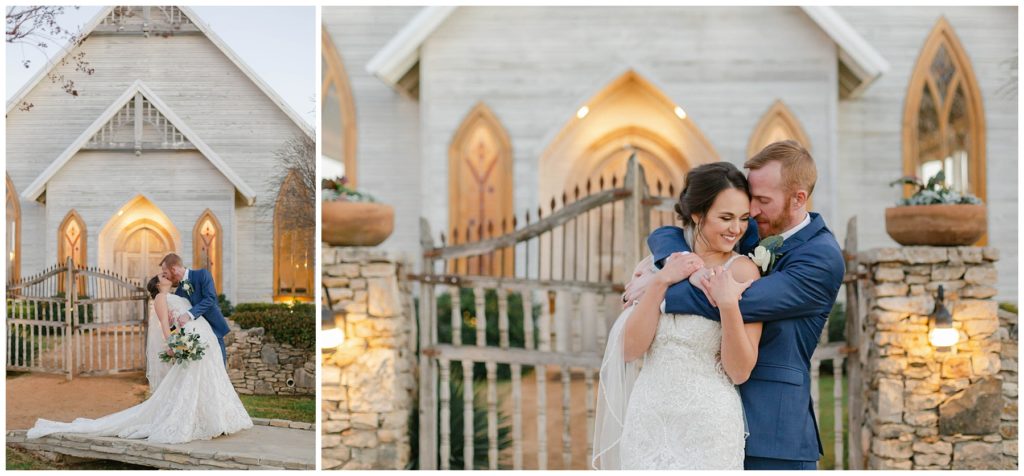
[187,286]
[766,253]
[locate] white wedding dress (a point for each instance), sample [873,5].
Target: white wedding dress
[156,369]
[194,401]
[678,411]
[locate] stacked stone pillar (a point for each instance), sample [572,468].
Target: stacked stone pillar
[369,385]
[932,409]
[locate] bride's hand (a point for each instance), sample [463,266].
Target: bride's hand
[723,288]
[679,266]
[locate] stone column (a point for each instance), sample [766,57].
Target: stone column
[930,409]
[369,382]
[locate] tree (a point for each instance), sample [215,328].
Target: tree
[298,156]
[37,27]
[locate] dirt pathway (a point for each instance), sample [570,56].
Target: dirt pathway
[33,395]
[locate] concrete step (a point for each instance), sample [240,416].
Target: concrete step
[260,447]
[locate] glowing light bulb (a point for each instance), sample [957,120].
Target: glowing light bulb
[680,113]
[944,337]
[580,114]
[332,338]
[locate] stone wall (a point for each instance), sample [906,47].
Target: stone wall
[369,383]
[930,409]
[259,365]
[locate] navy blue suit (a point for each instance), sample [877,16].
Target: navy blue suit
[793,301]
[204,304]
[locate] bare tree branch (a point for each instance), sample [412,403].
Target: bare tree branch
[37,27]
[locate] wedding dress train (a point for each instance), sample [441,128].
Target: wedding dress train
[193,401]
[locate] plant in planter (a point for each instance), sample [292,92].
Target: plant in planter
[935,215]
[353,218]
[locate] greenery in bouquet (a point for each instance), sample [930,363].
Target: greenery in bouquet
[935,192]
[183,347]
[337,190]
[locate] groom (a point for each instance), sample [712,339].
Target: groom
[196,285]
[793,300]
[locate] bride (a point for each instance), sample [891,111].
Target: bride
[193,401]
[680,408]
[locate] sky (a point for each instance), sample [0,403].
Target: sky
[278,44]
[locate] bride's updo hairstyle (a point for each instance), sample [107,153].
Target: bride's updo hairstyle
[703,184]
[153,286]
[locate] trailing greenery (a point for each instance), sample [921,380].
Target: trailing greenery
[480,440]
[1008,306]
[293,324]
[516,334]
[935,192]
[337,190]
[225,305]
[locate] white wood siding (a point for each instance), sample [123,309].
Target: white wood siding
[535,66]
[870,128]
[388,123]
[214,97]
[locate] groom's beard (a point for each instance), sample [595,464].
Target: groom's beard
[768,227]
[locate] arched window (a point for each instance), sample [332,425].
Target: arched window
[943,118]
[777,124]
[13,231]
[293,242]
[207,247]
[480,185]
[71,242]
[338,107]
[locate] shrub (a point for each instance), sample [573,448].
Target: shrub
[516,334]
[225,305]
[290,324]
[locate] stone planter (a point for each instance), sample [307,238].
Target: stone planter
[356,223]
[936,225]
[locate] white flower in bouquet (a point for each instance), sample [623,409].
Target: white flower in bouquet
[183,347]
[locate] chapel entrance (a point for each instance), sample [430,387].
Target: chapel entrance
[138,253]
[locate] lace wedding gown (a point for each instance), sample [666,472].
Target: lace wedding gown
[684,412]
[676,410]
[194,401]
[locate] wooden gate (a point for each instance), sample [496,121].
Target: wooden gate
[539,297]
[73,320]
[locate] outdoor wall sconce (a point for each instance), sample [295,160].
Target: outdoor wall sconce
[331,336]
[942,336]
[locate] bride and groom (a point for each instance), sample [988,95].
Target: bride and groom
[708,366]
[190,401]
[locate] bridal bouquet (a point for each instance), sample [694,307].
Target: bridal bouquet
[184,347]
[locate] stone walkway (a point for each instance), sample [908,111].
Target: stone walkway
[267,445]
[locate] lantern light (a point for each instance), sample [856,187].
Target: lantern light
[942,336]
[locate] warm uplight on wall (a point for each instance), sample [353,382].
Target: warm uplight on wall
[582,112]
[680,113]
[942,336]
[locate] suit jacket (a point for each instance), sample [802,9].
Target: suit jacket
[204,300]
[793,301]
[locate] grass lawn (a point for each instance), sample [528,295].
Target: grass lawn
[22,460]
[295,408]
[826,422]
